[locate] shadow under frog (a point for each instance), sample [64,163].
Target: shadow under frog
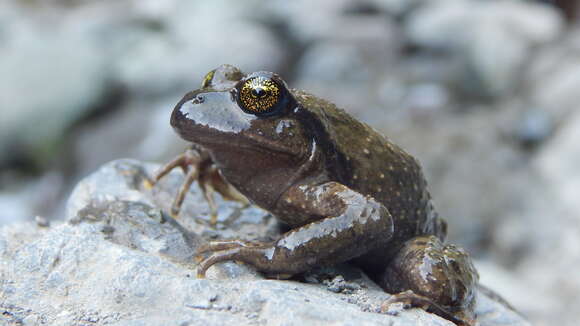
[346,191]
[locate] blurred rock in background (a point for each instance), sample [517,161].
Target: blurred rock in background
[484,93]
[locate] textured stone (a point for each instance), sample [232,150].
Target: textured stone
[192,39]
[118,260]
[493,38]
[538,240]
[45,84]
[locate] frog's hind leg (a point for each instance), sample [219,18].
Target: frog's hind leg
[438,278]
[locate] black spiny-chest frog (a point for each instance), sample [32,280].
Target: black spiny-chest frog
[346,191]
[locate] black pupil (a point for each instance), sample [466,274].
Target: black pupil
[259,92]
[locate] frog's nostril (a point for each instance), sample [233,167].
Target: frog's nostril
[198,99]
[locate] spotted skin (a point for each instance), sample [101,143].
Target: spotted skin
[376,167]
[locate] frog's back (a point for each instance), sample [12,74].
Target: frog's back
[366,161]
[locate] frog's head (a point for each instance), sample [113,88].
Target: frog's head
[232,111]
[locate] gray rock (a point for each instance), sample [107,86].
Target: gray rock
[45,83]
[300,16]
[492,37]
[24,199]
[398,7]
[183,49]
[118,261]
[116,136]
[543,234]
[533,128]
[347,61]
[553,76]
[353,54]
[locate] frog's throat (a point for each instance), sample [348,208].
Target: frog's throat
[253,143]
[305,168]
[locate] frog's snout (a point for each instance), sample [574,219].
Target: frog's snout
[201,112]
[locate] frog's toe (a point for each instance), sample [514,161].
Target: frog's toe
[219,245]
[148,184]
[214,258]
[213,219]
[224,250]
[174,212]
[408,299]
[396,303]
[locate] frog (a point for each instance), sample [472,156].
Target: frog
[346,193]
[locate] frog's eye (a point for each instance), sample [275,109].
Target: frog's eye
[206,82]
[259,95]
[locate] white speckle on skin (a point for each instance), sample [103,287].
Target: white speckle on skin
[269,253]
[283,124]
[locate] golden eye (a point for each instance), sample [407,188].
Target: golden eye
[259,95]
[206,82]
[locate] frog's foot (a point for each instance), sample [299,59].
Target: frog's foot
[197,165]
[438,278]
[409,300]
[224,250]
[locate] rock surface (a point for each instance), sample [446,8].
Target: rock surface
[118,260]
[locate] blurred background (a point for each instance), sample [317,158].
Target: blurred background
[485,93]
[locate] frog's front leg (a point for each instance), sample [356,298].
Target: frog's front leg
[198,165]
[190,163]
[338,224]
[438,278]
